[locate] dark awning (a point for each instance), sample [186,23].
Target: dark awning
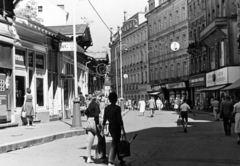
[212,88]
[235,85]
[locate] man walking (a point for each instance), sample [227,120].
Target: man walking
[226,111]
[152,105]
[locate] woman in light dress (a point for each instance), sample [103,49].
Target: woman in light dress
[142,106]
[159,104]
[237,119]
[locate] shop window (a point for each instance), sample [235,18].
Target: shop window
[20,90]
[39,61]
[40,92]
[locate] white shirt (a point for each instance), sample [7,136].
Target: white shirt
[184,107]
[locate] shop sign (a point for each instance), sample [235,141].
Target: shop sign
[20,57]
[40,61]
[218,77]
[156,88]
[66,46]
[197,81]
[176,85]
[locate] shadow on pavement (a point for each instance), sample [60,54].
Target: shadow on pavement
[204,144]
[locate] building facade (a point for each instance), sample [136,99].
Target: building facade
[198,59]
[168,69]
[134,59]
[220,38]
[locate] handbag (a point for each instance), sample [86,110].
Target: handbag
[124,147]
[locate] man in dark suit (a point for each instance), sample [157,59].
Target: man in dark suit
[226,111]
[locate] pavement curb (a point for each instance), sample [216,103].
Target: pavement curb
[39,140]
[43,139]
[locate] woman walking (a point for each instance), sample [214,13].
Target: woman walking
[159,104]
[237,119]
[112,114]
[92,114]
[142,106]
[28,107]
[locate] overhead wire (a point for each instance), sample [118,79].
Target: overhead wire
[99,15]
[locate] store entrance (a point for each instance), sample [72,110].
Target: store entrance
[20,90]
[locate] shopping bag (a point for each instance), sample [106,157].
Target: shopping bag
[179,121]
[100,152]
[124,147]
[23,112]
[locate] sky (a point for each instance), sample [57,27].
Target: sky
[112,12]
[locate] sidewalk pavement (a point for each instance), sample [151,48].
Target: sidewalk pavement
[15,138]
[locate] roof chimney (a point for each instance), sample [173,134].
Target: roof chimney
[125,16]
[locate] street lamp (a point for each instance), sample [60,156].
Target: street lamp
[116,65]
[76,121]
[120,41]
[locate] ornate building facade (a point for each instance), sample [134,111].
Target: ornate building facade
[169,70]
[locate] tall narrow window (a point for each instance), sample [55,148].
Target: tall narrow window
[184,13]
[40,9]
[185,68]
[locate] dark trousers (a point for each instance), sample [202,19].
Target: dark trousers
[115,132]
[227,125]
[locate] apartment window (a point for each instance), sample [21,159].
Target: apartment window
[184,13]
[165,23]
[185,68]
[156,74]
[172,71]
[177,17]
[166,70]
[159,24]
[40,8]
[170,19]
[151,74]
[178,70]
[155,27]
[61,6]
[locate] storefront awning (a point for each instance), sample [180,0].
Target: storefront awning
[212,88]
[235,85]
[153,93]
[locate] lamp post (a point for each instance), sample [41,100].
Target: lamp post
[116,64]
[120,41]
[121,73]
[76,121]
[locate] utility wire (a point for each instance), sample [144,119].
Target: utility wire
[99,16]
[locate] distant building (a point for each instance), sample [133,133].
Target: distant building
[168,69]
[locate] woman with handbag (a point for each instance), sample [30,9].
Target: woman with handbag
[28,107]
[236,111]
[112,114]
[92,129]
